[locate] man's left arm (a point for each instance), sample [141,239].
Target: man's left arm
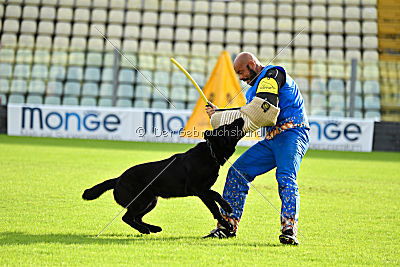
[257,113]
[268,87]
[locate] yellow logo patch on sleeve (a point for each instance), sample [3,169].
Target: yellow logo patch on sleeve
[267,85]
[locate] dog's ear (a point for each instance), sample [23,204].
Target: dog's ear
[238,123]
[236,128]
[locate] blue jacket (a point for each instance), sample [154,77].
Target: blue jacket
[292,112]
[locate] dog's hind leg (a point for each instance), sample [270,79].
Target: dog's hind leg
[212,206]
[129,218]
[126,194]
[220,200]
[152,228]
[136,210]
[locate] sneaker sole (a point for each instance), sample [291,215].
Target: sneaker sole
[220,237]
[288,240]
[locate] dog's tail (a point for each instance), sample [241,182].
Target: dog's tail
[97,190]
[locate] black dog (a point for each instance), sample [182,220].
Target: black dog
[186,174]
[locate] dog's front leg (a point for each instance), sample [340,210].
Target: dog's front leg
[212,206]
[220,200]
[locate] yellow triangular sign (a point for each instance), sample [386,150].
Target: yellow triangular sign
[220,89]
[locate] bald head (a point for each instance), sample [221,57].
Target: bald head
[244,58]
[247,66]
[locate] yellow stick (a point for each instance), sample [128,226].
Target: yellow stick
[191,79]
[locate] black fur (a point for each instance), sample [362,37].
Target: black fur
[192,173]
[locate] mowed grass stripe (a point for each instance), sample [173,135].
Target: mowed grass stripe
[349,210]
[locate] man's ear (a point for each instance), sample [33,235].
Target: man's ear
[252,64]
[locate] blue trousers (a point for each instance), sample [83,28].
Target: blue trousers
[285,152]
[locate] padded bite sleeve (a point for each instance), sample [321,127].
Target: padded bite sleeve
[258,113]
[268,87]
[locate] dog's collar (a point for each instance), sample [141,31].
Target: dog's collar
[212,152]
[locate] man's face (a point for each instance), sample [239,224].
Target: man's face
[246,73]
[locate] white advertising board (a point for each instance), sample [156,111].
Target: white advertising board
[345,134]
[161,126]
[96,123]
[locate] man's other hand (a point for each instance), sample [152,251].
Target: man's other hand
[210,109]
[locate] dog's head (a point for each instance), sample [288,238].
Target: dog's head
[224,139]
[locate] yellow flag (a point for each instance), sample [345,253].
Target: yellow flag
[220,89]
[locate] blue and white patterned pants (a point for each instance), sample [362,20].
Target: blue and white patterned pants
[285,152]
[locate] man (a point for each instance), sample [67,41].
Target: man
[284,146]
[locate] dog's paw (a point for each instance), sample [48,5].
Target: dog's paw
[228,208]
[155,229]
[230,227]
[226,224]
[144,230]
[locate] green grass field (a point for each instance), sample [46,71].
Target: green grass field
[349,210]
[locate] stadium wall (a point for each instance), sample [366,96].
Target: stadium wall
[165,126]
[3,119]
[386,136]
